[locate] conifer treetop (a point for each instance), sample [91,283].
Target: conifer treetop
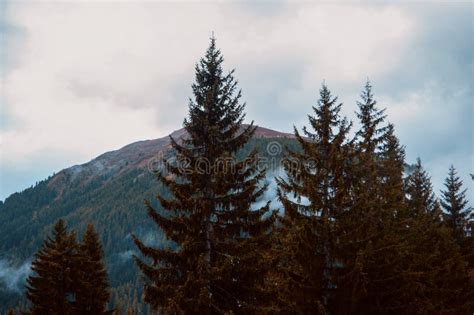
[371,134]
[454,203]
[208,214]
[420,196]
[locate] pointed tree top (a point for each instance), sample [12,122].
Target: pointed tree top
[212,49]
[59,228]
[90,232]
[325,93]
[452,170]
[419,166]
[368,85]
[367,96]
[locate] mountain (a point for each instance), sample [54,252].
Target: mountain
[109,192]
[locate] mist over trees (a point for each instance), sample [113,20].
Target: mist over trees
[357,233]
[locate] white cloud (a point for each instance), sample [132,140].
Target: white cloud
[435,124]
[90,77]
[95,76]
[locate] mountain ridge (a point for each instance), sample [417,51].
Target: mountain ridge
[137,154]
[107,191]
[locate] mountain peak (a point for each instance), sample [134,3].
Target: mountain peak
[135,155]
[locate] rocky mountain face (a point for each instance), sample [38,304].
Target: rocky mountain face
[109,192]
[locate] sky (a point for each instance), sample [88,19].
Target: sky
[81,78]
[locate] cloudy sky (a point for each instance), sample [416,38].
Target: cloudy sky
[79,79]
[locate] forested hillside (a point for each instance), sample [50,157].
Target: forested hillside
[109,192]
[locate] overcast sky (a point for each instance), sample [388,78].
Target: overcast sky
[79,79]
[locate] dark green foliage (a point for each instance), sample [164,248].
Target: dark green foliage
[435,274]
[93,290]
[390,171]
[306,267]
[21,207]
[454,203]
[366,241]
[420,196]
[371,133]
[68,278]
[115,205]
[51,289]
[356,236]
[458,218]
[217,265]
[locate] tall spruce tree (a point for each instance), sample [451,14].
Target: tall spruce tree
[454,202]
[382,261]
[217,265]
[52,287]
[93,290]
[367,162]
[305,252]
[366,232]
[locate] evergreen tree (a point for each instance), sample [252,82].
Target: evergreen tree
[306,261]
[93,294]
[377,155]
[387,260]
[51,289]
[366,232]
[454,203]
[392,167]
[435,275]
[218,263]
[371,134]
[419,193]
